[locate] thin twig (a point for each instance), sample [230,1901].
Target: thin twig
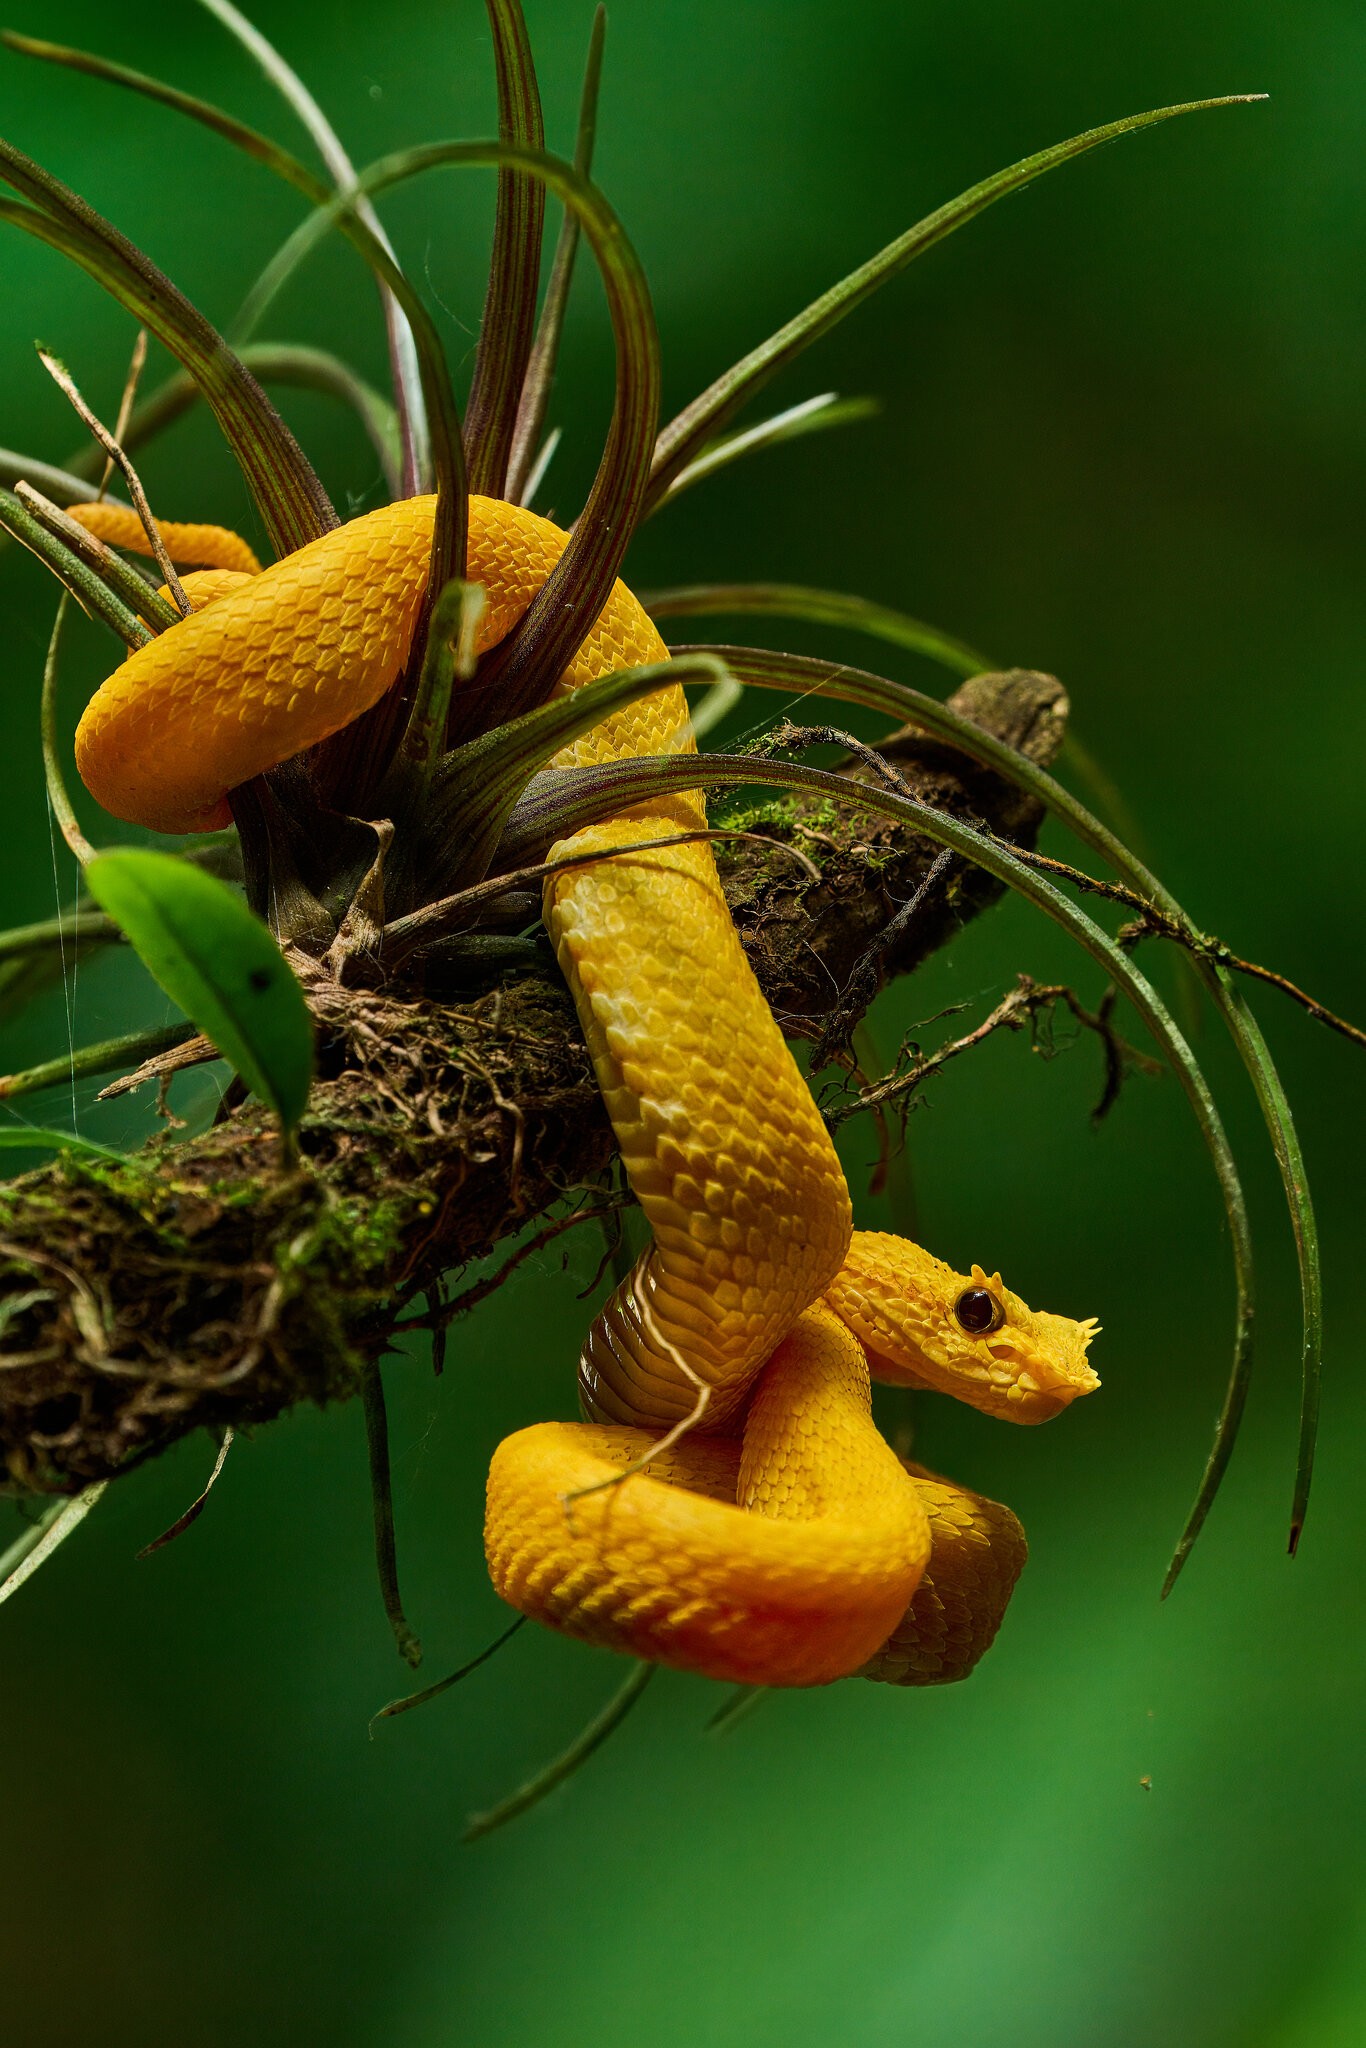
[63,378]
[1027,1001]
[421,927]
[1153,922]
[126,404]
[381,1493]
[431,1692]
[441,1316]
[862,985]
[570,1760]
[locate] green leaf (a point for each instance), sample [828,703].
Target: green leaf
[292,502]
[36,1545]
[525,457]
[811,416]
[683,440]
[305,369]
[91,593]
[820,608]
[571,1760]
[63,486]
[505,332]
[89,1060]
[476,786]
[31,1137]
[218,961]
[58,797]
[450,652]
[413,432]
[898,629]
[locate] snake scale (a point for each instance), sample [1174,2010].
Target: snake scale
[775,1538]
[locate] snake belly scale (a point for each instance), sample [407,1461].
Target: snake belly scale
[777,1539]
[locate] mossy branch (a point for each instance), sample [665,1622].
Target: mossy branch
[199,1284]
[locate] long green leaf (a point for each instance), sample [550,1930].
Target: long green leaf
[58,796]
[683,440]
[307,369]
[476,786]
[86,928]
[524,667]
[812,416]
[448,542]
[90,591]
[219,963]
[414,436]
[292,502]
[125,582]
[505,332]
[63,486]
[897,629]
[52,1530]
[88,1060]
[34,1138]
[540,372]
[571,1760]
[818,607]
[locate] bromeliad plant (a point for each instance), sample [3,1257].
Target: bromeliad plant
[395,863]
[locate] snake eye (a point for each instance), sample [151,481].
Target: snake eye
[978,1311]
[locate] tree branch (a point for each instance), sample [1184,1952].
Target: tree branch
[199,1284]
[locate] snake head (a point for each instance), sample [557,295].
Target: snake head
[924,1325]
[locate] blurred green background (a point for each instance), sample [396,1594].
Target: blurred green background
[1124,439]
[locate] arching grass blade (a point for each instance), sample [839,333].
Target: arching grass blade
[523,669]
[89,1060]
[475,786]
[545,349]
[56,1525]
[821,608]
[804,676]
[32,1137]
[90,591]
[505,332]
[683,440]
[812,416]
[414,470]
[565,1765]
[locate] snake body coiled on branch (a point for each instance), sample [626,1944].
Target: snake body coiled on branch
[775,1537]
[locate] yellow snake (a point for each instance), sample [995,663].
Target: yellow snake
[775,1538]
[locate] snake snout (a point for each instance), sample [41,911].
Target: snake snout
[1045,1358]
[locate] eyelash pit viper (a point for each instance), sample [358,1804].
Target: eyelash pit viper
[776,1538]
